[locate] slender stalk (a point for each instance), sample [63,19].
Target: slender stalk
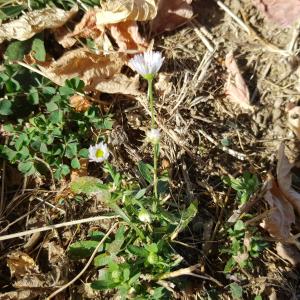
[155,146]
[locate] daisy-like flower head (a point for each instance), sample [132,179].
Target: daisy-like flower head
[147,64]
[99,152]
[153,136]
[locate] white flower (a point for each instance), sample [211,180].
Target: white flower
[99,152]
[147,64]
[153,135]
[144,216]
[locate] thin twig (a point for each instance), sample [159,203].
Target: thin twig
[55,226]
[85,267]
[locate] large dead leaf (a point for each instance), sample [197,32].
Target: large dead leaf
[171,14]
[20,263]
[20,295]
[283,12]
[284,179]
[118,84]
[289,253]
[116,11]
[127,36]
[235,87]
[86,28]
[281,216]
[294,120]
[34,22]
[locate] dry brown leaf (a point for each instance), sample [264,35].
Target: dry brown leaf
[279,220]
[99,72]
[20,295]
[294,120]
[289,253]
[163,86]
[34,22]
[116,11]
[20,263]
[30,281]
[86,28]
[283,12]
[127,36]
[118,84]
[235,87]
[284,179]
[79,103]
[171,14]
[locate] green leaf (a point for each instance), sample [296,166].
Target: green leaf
[87,185]
[258,297]
[102,260]
[8,153]
[71,150]
[43,148]
[38,48]
[83,249]
[5,107]
[56,117]
[239,225]
[66,91]
[75,84]
[33,96]
[186,217]
[12,86]
[84,153]
[16,50]
[48,90]
[51,106]
[236,291]
[10,11]
[104,284]
[26,167]
[146,171]
[75,163]
[138,251]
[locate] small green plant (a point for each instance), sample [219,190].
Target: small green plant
[53,138]
[141,252]
[245,185]
[245,244]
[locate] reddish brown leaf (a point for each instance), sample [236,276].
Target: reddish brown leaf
[283,12]
[284,179]
[235,87]
[171,14]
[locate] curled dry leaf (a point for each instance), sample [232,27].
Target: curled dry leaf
[100,72]
[235,87]
[283,12]
[116,11]
[79,103]
[279,220]
[289,253]
[127,36]
[86,28]
[34,22]
[20,263]
[294,120]
[284,179]
[171,14]
[20,295]
[163,86]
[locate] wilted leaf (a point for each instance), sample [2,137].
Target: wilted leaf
[119,84]
[235,87]
[127,36]
[86,28]
[116,11]
[34,22]
[171,14]
[284,179]
[20,295]
[80,103]
[283,12]
[20,263]
[294,120]
[86,184]
[289,253]
[279,220]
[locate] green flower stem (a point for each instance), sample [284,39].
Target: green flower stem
[155,146]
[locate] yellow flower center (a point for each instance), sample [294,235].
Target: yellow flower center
[99,153]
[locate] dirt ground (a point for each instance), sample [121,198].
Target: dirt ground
[197,120]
